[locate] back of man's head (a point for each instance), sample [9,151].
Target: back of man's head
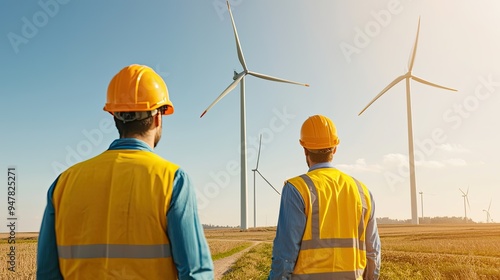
[318,136]
[135,95]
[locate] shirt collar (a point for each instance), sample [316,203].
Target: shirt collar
[130,144]
[321,165]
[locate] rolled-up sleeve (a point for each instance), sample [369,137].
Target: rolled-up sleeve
[190,250]
[291,225]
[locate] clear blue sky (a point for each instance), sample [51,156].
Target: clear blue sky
[57,60]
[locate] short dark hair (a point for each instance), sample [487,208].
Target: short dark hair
[321,157]
[139,127]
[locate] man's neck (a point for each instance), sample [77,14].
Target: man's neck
[148,139]
[312,164]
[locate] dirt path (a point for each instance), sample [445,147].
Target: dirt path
[221,266]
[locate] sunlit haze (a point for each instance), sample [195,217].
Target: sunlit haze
[58,58]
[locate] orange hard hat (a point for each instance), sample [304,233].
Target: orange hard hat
[137,88]
[318,132]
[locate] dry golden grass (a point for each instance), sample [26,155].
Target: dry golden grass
[425,266]
[441,251]
[421,252]
[25,260]
[224,248]
[221,246]
[253,234]
[255,264]
[20,235]
[478,240]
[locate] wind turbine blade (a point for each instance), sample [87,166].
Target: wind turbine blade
[258,155]
[461,191]
[489,206]
[274,79]
[468,204]
[467,193]
[226,91]
[397,80]
[414,51]
[268,182]
[430,84]
[238,45]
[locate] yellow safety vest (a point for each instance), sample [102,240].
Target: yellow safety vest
[110,217]
[337,209]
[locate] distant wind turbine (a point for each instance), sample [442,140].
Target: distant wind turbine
[239,78]
[407,76]
[488,216]
[422,203]
[466,198]
[256,169]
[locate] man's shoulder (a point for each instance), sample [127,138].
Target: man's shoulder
[317,173]
[82,164]
[159,159]
[332,172]
[144,158]
[293,179]
[158,162]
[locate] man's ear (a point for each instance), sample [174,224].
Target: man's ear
[306,152]
[334,150]
[157,120]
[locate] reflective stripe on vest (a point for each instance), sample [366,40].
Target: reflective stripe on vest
[361,226]
[316,242]
[114,251]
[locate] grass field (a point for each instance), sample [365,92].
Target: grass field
[408,252]
[25,257]
[225,248]
[255,264]
[253,234]
[441,252]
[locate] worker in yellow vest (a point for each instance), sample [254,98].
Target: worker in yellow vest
[126,213]
[326,226]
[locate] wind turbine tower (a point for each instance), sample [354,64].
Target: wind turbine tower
[466,198]
[422,203]
[407,77]
[488,216]
[239,78]
[256,169]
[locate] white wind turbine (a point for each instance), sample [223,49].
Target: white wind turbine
[465,196]
[240,78]
[256,169]
[488,216]
[407,76]
[422,203]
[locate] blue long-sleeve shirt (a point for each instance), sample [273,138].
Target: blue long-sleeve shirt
[190,250]
[291,226]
